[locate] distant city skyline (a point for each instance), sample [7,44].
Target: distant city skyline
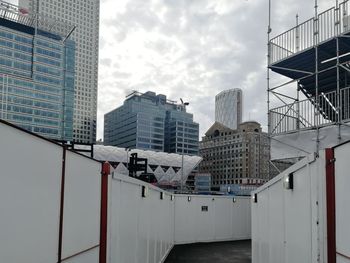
[191,50]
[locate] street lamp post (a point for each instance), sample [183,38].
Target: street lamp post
[184,104]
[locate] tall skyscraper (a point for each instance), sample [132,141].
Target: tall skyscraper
[36,73]
[84,14]
[228,108]
[150,121]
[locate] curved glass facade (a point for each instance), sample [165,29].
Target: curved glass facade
[228,108]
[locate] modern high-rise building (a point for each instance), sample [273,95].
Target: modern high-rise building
[238,156]
[150,121]
[228,108]
[36,73]
[84,14]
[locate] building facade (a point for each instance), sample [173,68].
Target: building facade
[36,73]
[150,121]
[238,156]
[202,182]
[84,14]
[228,108]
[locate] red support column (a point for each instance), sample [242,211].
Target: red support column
[330,197]
[60,227]
[104,212]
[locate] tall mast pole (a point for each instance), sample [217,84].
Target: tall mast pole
[268,85]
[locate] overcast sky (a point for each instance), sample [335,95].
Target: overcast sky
[190,49]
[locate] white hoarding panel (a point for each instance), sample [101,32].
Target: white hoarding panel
[342,197]
[82,200]
[90,256]
[288,220]
[211,218]
[141,229]
[30,174]
[276,232]
[298,218]
[223,218]
[185,223]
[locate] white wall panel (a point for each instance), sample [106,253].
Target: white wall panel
[30,180]
[277,229]
[289,224]
[90,256]
[81,222]
[141,228]
[224,220]
[342,183]
[298,219]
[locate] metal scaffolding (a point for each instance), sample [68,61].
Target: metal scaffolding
[314,55]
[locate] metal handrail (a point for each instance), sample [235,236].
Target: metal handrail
[330,23]
[302,114]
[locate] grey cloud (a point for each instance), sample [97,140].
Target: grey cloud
[213,51]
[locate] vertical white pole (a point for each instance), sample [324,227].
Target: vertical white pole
[268,87]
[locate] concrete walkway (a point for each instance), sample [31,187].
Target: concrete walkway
[219,252]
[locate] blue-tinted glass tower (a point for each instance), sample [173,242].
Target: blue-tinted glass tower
[150,121]
[37,63]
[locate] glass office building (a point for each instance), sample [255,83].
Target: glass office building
[228,108]
[150,121]
[86,16]
[36,73]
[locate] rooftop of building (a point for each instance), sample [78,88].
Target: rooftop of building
[153,95]
[219,129]
[228,91]
[19,18]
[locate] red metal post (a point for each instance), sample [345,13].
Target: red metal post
[104,212]
[60,228]
[330,197]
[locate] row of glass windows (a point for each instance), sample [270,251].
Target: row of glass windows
[16,37]
[15,64]
[29,102]
[48,44]
[48,70]
[48,80]
[48,61]
[25,118]
[31,85]
[9,44]
[48,53]
[141,139]
[31,94]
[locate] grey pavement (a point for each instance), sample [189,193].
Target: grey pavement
[218,252]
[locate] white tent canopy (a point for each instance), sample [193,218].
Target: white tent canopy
[165,166]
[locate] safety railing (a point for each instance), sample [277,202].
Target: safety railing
[301,115]
[328,24]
